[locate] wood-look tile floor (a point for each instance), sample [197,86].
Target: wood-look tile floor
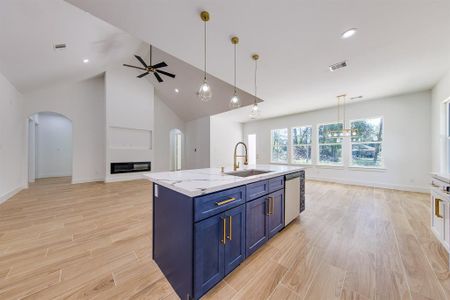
[94,241]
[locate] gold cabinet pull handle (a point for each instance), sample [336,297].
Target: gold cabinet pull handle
[268,206]
[224,228]
[225,201]
[437,208]
[273,205]
[230,234]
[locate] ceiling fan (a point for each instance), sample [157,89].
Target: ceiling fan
[151,68]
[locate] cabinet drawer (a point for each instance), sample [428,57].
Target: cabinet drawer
[276,184]
[257,189]
[212,204]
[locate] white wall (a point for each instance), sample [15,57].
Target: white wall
[84,104]
[54,146]
[224,135]
[12,140]
[406,148]
[197,151]
[440,93]
[129,120]
[165,120]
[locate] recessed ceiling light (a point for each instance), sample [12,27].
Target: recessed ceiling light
[85,60]
[177,91]
[349,33]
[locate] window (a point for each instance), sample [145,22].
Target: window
[330,144]
[367,143]
[279,146]
[252,149]
[301,145]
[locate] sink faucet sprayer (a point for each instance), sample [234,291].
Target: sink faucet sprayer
[236,164]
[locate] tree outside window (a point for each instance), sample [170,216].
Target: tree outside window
[330,147]
[279,145]
[301,145]
[367,144]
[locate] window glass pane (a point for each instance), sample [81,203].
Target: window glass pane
[369,130]
[328,134]
[367,155]
[301,154]
[280,145]
[330,154]
[301,135]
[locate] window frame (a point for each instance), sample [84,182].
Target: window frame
[271,148]
[350,160]
[291,146]
[318,163]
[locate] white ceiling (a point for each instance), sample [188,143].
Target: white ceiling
[29,29]
[401,46]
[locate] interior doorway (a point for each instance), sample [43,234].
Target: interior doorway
[176,149]
[49,148]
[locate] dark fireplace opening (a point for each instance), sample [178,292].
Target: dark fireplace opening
[130,167]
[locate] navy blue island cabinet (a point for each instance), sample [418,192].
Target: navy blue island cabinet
[197,241]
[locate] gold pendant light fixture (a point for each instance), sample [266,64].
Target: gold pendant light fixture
[235,102]
[255,107]
[345,132]
[204,92]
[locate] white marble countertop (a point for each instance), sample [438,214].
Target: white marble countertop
[445,177]
[204,181]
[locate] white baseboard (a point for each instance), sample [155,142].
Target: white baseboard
[126,177]
[8,195]
[408,188]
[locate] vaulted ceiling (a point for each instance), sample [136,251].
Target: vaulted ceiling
[30,29]
[401,46]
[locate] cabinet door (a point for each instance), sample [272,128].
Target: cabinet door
[235,243]
[256,228]
[276,212]
[209,253]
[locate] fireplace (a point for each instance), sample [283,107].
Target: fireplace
[130,167]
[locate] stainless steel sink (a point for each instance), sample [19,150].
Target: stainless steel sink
[247,173]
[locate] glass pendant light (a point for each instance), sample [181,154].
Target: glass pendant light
[235,102]
[255,112]
[204,92]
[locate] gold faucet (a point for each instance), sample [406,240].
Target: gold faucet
[236,164]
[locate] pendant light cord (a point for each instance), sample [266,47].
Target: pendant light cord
[234,69]
[256,69]
[150,55]
[204,76]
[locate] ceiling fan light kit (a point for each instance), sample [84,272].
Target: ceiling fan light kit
[155,69]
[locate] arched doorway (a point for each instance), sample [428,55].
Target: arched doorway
[49,148]
[176,149]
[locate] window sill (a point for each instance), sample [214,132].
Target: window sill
[302,165]
[279,163]
[368,169]
[336,167]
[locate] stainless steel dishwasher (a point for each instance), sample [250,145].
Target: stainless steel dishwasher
[292,197]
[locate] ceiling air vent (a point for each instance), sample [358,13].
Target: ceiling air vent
[338,66]
[60,46]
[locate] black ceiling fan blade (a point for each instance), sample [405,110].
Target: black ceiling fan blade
[166,73]
[134,67]
[160,65]
[141,60]
[158,77]
[143,74]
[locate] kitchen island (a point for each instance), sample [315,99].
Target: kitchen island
[206,222]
